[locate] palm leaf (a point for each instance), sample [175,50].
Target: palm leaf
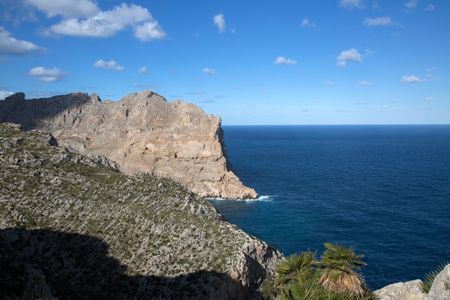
[427,282]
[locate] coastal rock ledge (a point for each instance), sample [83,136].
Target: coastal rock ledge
[141,133]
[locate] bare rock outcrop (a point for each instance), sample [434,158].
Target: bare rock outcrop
[141,133]
[73,227]
[411,290]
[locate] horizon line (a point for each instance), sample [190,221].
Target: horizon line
[349,124]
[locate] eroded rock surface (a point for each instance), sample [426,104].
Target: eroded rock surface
[410,290]
[73,227]
[142,133]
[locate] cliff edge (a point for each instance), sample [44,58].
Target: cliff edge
[141,133]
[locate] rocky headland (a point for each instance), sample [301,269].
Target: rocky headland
[73,227]
[141,133]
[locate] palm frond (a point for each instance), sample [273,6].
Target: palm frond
[427,282]
[297,267]
[343,258]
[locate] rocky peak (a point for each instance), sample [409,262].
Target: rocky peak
[16,97]
[95,98]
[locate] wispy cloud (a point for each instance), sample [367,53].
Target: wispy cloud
[209,71]
[13,11]
[207,101]
[281,60]
[219,21]
[381,21]
[352,3]
[428,99]
[11,45]
[65,8]
[142,70]
[411,79]
[107,23]
[110,65]
[307,23]
[364,83]
[411,4]
[349,55]
[46,74]
[430,7]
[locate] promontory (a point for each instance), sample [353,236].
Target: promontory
[142,133]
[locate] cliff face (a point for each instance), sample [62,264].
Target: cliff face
[73,227]
[141,132]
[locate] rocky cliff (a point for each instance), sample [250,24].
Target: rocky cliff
[73,227]
[142,133]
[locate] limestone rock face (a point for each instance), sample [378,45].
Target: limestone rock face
[440,290]
[141,133]
[74,227]
[410,290]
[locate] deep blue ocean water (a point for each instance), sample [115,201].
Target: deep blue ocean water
[383,190]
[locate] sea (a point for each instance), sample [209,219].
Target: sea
[383,190]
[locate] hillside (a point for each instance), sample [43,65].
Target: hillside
[73,225]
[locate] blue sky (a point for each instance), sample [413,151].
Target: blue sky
[250,62]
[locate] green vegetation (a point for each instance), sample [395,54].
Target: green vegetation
[427,282]
[334,277]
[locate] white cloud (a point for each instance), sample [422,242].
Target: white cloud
[11,45]
[349,55]
[46,75]
[411,79]
[149,31]
[430,7]
[281,60]
[411,4]
[307,23]
[66,8]
[386,106]
[209,71]
[142,70]
[352,3]
[110,65]
[382,21]
[428,99]
[108,23]
[219,21]
[4,94]
[364,83]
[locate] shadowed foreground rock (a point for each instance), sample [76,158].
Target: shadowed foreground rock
[142,133]
[45,264]
[72,224]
